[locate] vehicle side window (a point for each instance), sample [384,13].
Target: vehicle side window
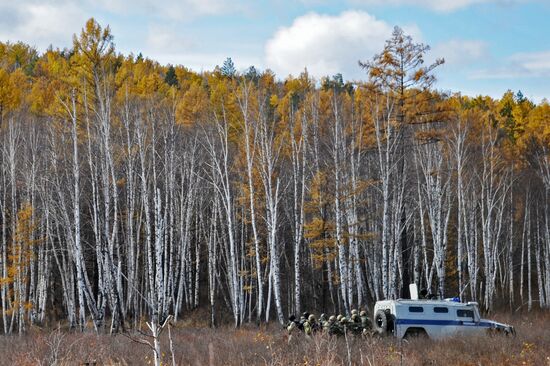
[416,309]
[441,310]
[462,313]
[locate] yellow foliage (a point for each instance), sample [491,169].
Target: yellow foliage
[274,101]
[537,125]
[192,106]
[11,87]
[20,256]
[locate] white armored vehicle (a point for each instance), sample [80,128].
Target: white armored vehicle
[405,318]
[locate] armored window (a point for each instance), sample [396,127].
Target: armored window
[416,309]
[462,313]
[441,310]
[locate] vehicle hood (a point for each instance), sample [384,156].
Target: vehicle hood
[496,325]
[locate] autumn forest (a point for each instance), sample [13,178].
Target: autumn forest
[131,190]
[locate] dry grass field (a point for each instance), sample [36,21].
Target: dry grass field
[195,345]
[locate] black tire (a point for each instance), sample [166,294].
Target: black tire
[380,323]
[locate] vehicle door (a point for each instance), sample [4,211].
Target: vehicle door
[443,318]
[466,321]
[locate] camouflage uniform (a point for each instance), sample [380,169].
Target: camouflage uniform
[355,317]
[365,321]
[355,324]
[327,324]
[335,327]
[303,319]
[291,325]
[344,324]
[310,325]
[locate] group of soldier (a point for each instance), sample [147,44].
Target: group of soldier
[358,323]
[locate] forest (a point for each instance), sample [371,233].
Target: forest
[131,190]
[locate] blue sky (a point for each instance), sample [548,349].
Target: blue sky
[489,45]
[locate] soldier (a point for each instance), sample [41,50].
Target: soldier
[322,318]
[328,324]
[355,323]
[365,322]
[292,323]
[315,325]
[309,325]
[303,319]
[291,326]
[335,327]
[344,324]
[355,316]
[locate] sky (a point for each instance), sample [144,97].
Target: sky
[489,46]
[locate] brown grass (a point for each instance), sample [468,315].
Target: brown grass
[251,345]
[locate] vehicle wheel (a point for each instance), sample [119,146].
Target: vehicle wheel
[381,322]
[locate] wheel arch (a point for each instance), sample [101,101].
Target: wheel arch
[415,332]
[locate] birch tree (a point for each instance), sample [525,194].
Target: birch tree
[397,69]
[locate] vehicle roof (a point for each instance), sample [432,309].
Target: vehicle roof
[421,302]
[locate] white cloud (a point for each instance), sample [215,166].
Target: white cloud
[327,44]
[166,44]
[535,63]
[459,52]
[44,22]
[519,65]
[438,5]
[41,23]
[170,9]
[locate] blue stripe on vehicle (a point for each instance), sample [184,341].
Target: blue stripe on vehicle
[443,322]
